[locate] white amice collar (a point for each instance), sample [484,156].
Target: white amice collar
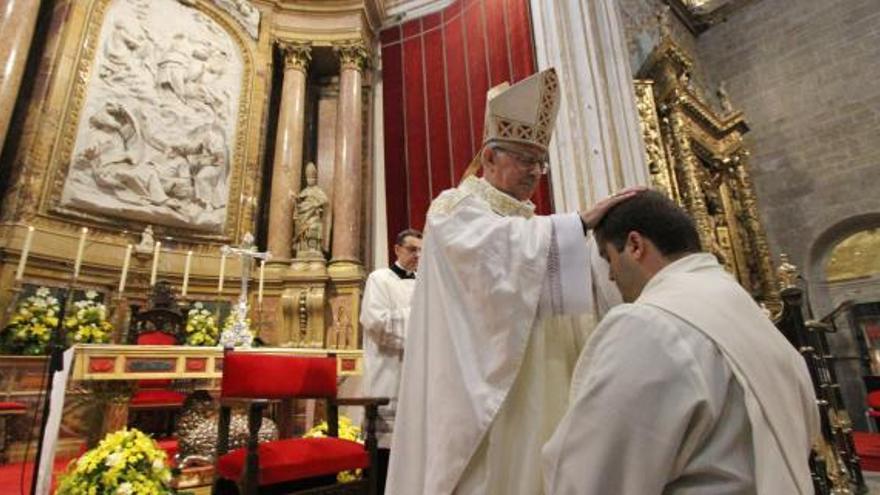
[500,202]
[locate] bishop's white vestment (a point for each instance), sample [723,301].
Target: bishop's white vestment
[384,314]
[689,390]
[490,350]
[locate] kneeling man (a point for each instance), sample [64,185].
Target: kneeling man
[687,389]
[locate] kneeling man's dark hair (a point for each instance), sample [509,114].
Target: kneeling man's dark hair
[655,216]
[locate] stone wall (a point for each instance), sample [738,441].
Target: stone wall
[806,78]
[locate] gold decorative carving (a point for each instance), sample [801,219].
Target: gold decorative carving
[302,310]
[662,176]
[786,273]
[353,54]
[297,55]
[699,159]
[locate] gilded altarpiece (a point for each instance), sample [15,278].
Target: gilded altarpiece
[697,156]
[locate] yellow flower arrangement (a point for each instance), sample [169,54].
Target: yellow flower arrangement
[347,431]
[126,462]
[88,324]
[30,328]
[201,328]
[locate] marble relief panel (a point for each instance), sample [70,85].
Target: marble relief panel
[157,130]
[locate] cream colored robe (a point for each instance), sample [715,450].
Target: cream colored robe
[689,390]
[489,352]
[384,314]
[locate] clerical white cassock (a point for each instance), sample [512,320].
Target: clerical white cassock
[384,314]
[490,346]
[691,389]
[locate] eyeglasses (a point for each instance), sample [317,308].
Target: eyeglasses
[526,161]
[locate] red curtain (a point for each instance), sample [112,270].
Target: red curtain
[436,71]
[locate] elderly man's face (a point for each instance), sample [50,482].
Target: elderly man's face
[514,168]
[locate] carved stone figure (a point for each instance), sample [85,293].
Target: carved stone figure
[309,205]
[664,22]
[115,158]
[724,98]
[342,333]
[245,13]
[147,241]
[154,138]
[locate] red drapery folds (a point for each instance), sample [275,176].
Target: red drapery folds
[436,71]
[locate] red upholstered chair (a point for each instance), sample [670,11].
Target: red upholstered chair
[8,410]
[161,324]
[293,464]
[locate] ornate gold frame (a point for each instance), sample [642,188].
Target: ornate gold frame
[698,157]
[60,155]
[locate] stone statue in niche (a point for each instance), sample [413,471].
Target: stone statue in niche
[724,99]
[309,207]
[147,241]
[664,23]
[153,141]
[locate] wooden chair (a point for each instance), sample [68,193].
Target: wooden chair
[8,410]
[162,323]
[292,465]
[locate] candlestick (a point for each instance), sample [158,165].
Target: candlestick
[262,274]
[79,252]
[19,272]
[189,255]
[156,251]
[222,272]
[125,262]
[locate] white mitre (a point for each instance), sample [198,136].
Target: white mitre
[521,113]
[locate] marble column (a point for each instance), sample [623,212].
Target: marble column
[287,168]
[597,147]
[18,19]
[347,175]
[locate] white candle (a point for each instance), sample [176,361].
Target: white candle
[222,271]
[262,274]
[155,263]
[79,252]
[125,262]
[24,253]
[189,255]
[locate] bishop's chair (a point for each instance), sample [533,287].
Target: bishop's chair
[290,465]
[161,324]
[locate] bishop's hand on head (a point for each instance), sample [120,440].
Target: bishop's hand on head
[591,217]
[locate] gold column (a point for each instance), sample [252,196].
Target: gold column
[287,169]
[18,18]
[756,231]
[347,175]
[692,190]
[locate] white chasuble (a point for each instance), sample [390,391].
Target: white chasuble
[489,351]
[689,390]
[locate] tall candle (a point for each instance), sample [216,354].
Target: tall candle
[19,272]
[125,262]
[222,271]
[79,252]
[156,251]
[189,255]
[262,274]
